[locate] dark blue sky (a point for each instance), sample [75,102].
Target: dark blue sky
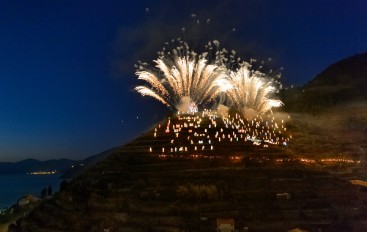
[67,67]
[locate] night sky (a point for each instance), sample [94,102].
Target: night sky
[67,67]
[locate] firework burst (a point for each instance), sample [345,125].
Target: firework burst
[182,78]
[246,89]
[251,91]
[179,75]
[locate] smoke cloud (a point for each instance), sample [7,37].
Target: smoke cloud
[222,110]
[184,104]
[193,21]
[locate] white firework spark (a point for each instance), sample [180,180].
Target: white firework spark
[245,89]
[251,92]
[181,74]
[181,77]
[145,91]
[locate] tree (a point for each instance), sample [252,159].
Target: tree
[63,185]
[12,228]
[44,193]
[49,190]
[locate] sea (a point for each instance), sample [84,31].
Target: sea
[14,187]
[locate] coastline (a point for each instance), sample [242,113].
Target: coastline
[15,186]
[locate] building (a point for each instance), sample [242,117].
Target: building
[283,196]
[26,200]
[225,224]
[23,202]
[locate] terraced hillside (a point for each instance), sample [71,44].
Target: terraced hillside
[132,190]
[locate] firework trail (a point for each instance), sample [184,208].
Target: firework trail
[251,91]
[246,89]
[182,78]
[179,75]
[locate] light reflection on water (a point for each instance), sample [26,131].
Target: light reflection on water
[13,187]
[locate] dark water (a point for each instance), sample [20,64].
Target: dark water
[13,187]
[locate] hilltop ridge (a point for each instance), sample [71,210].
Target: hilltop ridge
[351,71]
[340,84]
[34,165]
